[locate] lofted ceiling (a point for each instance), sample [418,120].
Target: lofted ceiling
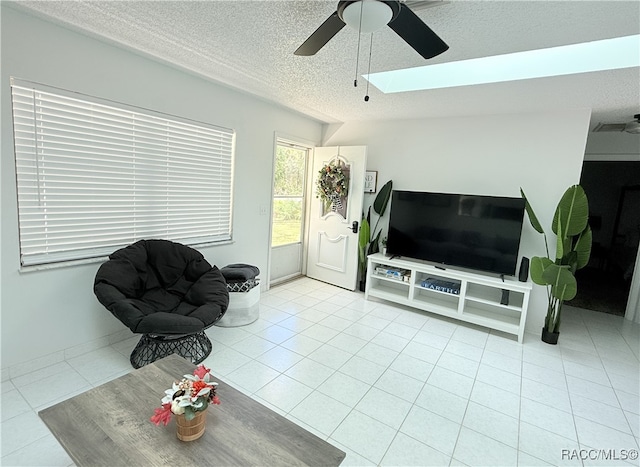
[249,45]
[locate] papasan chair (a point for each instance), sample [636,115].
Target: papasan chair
[168,293]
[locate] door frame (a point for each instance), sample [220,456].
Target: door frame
[310,146]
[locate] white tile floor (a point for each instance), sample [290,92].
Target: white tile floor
[391,386]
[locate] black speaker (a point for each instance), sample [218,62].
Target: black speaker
[523,275]
[505,297]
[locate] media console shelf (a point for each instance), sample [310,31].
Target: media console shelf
[466,296]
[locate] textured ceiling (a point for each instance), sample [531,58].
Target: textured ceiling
[249,45]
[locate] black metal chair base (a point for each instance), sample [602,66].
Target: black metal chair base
[152,347]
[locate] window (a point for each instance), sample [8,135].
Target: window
[288,199]
[94,176]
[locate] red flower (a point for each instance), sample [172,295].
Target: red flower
[215,400]
[162,415]
[197,387]
[201,371]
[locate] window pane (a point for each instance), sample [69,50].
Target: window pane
[289,171]
[94,176]
[287,221]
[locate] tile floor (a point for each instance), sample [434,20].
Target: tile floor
[391,386]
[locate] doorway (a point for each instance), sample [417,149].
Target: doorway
[288,210]
[334,218]
[614,199]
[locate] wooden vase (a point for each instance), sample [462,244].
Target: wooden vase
[190,430]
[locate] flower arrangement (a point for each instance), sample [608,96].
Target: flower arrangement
[332,181]
[192,394]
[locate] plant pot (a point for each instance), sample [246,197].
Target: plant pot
[550,337]
[190,430]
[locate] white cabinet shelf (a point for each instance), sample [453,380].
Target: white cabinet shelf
[467,296]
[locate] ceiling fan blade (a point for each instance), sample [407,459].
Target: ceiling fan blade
[417,34]
[321,36]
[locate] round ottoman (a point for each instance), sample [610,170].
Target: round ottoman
[244,295]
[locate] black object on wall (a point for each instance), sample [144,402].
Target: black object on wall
[523,274]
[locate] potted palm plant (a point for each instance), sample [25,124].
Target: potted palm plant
[573,248]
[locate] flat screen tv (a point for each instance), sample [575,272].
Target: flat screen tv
[469,231]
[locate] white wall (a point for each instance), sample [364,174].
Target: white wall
[489,155]
[45,312]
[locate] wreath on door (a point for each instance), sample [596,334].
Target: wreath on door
[332,182]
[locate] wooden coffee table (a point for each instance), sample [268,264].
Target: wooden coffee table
[109,425]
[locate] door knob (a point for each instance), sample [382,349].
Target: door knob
[354,227]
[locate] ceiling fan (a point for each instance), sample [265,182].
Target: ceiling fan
[629,127]
[370,15]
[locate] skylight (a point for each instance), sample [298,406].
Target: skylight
[608,54]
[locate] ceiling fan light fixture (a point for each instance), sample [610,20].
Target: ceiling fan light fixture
[375,15]
[634,126]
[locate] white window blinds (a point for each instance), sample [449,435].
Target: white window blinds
[93,176]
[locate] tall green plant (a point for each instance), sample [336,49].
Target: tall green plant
[573,249]
[363,244]
[369,239]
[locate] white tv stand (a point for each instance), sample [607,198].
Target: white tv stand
[477,302]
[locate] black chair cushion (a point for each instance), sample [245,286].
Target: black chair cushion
[162,287]
[239,272]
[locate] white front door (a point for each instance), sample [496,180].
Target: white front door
[333,243]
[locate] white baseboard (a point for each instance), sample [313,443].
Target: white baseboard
[42,362]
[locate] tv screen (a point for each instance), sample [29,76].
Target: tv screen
[470,231]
